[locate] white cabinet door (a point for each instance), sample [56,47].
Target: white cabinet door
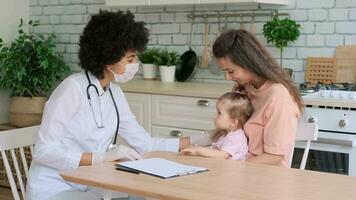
[170,132]
[183,112]
[140,105]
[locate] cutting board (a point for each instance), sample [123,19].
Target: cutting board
[345,64]
[320,70]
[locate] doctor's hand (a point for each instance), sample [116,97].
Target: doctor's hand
[121,152]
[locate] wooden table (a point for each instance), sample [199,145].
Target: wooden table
[226,179]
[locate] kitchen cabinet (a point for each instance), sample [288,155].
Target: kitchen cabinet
[168,132]
[172,116]
[140,106]
[188,2]
[174,109]
[183,112]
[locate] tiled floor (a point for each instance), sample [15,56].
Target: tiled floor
[5,193]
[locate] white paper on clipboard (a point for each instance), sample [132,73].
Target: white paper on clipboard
[162,168]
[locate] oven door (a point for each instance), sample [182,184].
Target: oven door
[326,158]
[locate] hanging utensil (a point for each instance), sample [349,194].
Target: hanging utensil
[205,59]
[242,23]
[213,66]
[225,25]
[253,25]
[187,68]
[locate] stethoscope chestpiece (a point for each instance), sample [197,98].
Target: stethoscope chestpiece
[112,146]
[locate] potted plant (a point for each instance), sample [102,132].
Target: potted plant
[167,61]
[281,32]
[147,59]
[30,68]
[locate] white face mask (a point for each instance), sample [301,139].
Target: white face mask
[130,71]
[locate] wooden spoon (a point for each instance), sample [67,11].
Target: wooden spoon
[205,56]
[242,23]
[253,25]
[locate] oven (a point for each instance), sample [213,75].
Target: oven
[335,150]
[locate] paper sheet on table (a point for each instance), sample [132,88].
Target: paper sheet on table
[162,168]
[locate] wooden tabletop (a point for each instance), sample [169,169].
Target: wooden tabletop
[226,179]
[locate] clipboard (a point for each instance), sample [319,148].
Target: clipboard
[126,169]
[160,167]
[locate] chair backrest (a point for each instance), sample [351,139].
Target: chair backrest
[305,132]
[12,140]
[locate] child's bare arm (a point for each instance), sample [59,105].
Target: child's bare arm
[206,152]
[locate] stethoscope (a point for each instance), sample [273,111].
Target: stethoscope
[101,125]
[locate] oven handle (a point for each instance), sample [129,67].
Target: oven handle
[347,140]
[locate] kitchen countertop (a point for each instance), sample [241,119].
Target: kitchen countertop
[201,89]
[191,89]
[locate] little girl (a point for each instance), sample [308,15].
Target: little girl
[232,111]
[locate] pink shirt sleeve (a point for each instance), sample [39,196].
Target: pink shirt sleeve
[235,144]
[280,127]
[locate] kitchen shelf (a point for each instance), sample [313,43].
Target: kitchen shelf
[114,3]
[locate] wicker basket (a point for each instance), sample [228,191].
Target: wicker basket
[321,69]
[3,177]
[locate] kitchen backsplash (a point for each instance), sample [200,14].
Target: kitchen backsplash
[325,25]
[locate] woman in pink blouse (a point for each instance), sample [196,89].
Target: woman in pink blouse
[276,101]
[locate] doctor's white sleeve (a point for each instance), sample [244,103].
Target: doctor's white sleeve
[63,104]
[137,137]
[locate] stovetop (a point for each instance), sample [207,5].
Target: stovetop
[307,88]
[342,95]
[332,95]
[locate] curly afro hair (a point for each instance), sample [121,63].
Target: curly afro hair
[106,39]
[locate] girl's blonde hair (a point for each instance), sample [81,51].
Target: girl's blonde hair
[238,107]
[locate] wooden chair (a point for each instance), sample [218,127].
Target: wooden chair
[305,132]
[14,139]
[10,141]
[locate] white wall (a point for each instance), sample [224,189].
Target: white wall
[10,13]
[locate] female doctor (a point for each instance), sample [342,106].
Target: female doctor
[86,111]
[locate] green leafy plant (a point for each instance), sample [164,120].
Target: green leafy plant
[148,56]
[281,32]
[29,65]
[168,58]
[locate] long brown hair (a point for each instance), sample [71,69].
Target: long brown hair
[243,49]
[238,107]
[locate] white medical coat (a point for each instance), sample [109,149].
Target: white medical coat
[68,129]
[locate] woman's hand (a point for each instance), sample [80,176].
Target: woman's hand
[266,158]
[238,88]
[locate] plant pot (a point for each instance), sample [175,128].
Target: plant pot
[290,72]
[149,71]
[26,111]
[167,73]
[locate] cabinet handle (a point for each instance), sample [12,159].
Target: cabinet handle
[204,103]
[176,133]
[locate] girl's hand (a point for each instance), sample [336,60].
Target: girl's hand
[192,151]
